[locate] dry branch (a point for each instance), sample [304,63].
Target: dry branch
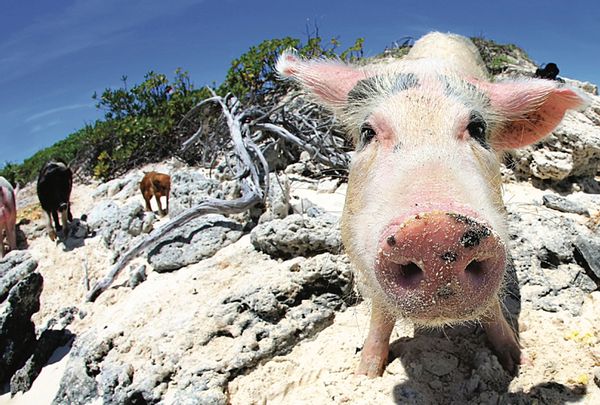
[314,152]
[212,206]
[253,189]
[293,122]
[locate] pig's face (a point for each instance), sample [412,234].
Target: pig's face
[423,220]
[423,150]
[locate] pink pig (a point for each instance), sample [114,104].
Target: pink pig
[8,215]
[424,221]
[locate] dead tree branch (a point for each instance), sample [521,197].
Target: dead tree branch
[253,189]
[212,206]
[252,131]
[314,152]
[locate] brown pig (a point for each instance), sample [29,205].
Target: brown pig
[424,219]
[156,185]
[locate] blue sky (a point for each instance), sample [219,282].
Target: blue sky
[55,54]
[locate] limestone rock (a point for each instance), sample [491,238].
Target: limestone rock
[195,354]
[554,165]
[17,331]
[189,188]
[298,235]
[121,188]
[564,204]
[278,198]
[48,342]
[118,225]
[573,149]
[194,241]
[543,256]
[137,275]
[14,267]
[590,251]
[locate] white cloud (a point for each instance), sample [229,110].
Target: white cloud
[44,126]
[56,110]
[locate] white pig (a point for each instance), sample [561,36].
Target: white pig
[423,221]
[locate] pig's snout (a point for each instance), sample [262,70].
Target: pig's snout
[440,267]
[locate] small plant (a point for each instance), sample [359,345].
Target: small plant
[101,169]
[139,122]
[398,49]
[499,63]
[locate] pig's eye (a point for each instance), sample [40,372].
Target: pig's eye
[476,128]
[367,133]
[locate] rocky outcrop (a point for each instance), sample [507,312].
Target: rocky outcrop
[189,188]
[298,235]
[278,198]
[20,299]
[194,241]
[14,268]
[588,249]
[22,352]
[78,385]
[565,205]
[305,166]
[118,224]
[121,188]
[48,342]
[543,250]
[193,363]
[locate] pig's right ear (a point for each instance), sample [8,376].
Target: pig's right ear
[532,108]
[329,81]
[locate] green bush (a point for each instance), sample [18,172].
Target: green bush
[137,129]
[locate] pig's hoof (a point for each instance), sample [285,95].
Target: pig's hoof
[52,235]
[371,366]
[510,357]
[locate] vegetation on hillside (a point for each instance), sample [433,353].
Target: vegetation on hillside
[140,123]
[143,123]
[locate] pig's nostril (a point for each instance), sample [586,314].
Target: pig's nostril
[410,274]
[476,270]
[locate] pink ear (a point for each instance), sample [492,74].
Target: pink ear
[330,81]
[532,109]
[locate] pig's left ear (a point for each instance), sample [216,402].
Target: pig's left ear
[329,81]
[532,108]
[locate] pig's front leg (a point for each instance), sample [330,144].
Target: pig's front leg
[503,339]
[375,351]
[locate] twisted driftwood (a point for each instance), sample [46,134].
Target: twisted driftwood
[252,131]
[253,189]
